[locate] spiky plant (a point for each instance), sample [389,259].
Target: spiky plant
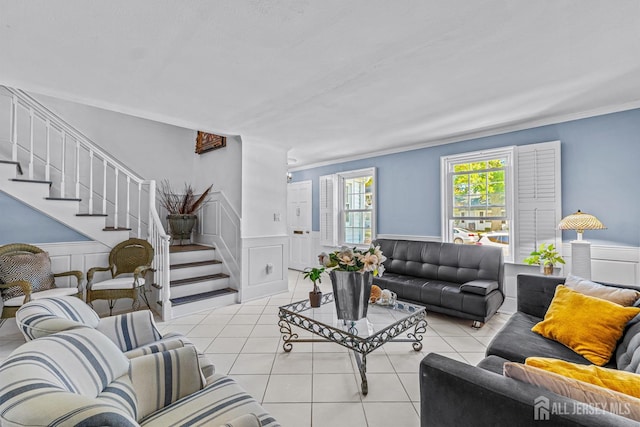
[184,203]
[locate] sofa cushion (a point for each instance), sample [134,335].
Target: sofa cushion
[34,268]
[46,316]
[405,287]
[220,401]
[628,351]
[613,379]
[581,391]
[589,326]
[480,287]
[624,297]
[515,342]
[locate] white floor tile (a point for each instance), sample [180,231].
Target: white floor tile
[217,319]
[377,362]
[391,414]
[180,329]
[222,362]
[253,364]
[292,363]
[260,331]
[473,358]
[334,363]
[192,319]
[236,331]
[261,345]
[384,388]
[226,345]
[335,388]
[288,388]
[290,414]
[465,344]
[255,385]
[229,309]
[449,330]
[250,309]
[339,415]
[407,362]
[411,384]
[205,331]
[201,343]
[244,319]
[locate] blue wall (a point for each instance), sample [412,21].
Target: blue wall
[20,223]
[600,158]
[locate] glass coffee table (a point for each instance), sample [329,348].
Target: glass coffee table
[383,324]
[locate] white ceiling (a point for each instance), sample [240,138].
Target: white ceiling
[330,78]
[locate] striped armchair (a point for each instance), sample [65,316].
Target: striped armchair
[134,333]
[80,377]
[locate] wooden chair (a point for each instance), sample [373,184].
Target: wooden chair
[10,305]
[131,258]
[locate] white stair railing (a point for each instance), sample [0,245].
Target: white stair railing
[78,168]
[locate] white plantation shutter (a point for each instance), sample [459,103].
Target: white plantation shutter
[538,197]
[328,211]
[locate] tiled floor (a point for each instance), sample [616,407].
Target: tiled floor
[316,384]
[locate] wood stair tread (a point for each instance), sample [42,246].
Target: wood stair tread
[69,199]
[11,162]
[197,279]
[189,248]
[205,295]
[34,181]
[116,229]
[87,214]
[195,264]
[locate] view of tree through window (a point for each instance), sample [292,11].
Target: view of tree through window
[358,209]
[479,199]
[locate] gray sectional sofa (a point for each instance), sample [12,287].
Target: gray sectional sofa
[460,280]
[455,394]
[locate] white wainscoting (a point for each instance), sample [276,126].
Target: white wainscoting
[264,266]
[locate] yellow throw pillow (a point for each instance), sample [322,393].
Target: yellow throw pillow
[591,394]
[587,325]
[613,379]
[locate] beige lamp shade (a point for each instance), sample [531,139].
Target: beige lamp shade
[580,221]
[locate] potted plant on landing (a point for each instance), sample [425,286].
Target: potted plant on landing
[351,273]
[314,274]
[546,257]
[181,208]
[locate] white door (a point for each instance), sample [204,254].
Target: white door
[299,225]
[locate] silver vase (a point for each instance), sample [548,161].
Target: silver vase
[351,292]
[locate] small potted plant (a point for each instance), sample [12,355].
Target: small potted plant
[546,257]
[181,208]
[314,274]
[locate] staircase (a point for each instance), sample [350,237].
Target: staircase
[89,191]
[197,280]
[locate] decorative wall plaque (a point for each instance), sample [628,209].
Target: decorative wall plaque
[209,141]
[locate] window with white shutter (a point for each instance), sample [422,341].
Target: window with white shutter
[328,216]
[348,208]
[538,201]
[508,197]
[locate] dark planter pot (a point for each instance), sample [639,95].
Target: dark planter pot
[315,298]
[181,226]
[351,293]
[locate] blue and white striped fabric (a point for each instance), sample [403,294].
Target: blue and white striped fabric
[42,317]
[130,330]
[67,378]
[80,378]
[222,401]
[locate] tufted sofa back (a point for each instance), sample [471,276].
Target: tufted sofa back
[443,261]
[77,377]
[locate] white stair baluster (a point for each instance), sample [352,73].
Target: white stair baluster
[115,200]
[30,143]
[47,166]
[90,182]
[139,210]
[77,169]
[62,169]
[128,213]
[14,128]
[104,186]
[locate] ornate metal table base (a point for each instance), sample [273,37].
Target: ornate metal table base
[292,315]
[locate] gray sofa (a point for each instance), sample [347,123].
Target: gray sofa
[454,393]
[459,280]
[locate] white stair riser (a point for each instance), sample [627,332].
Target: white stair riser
[26,190]
[191,256]
[202,305]
[188,272]
[8,171]
[199,287]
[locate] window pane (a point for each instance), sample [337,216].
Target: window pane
[357,229]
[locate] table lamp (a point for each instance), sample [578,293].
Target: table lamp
[580,249]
